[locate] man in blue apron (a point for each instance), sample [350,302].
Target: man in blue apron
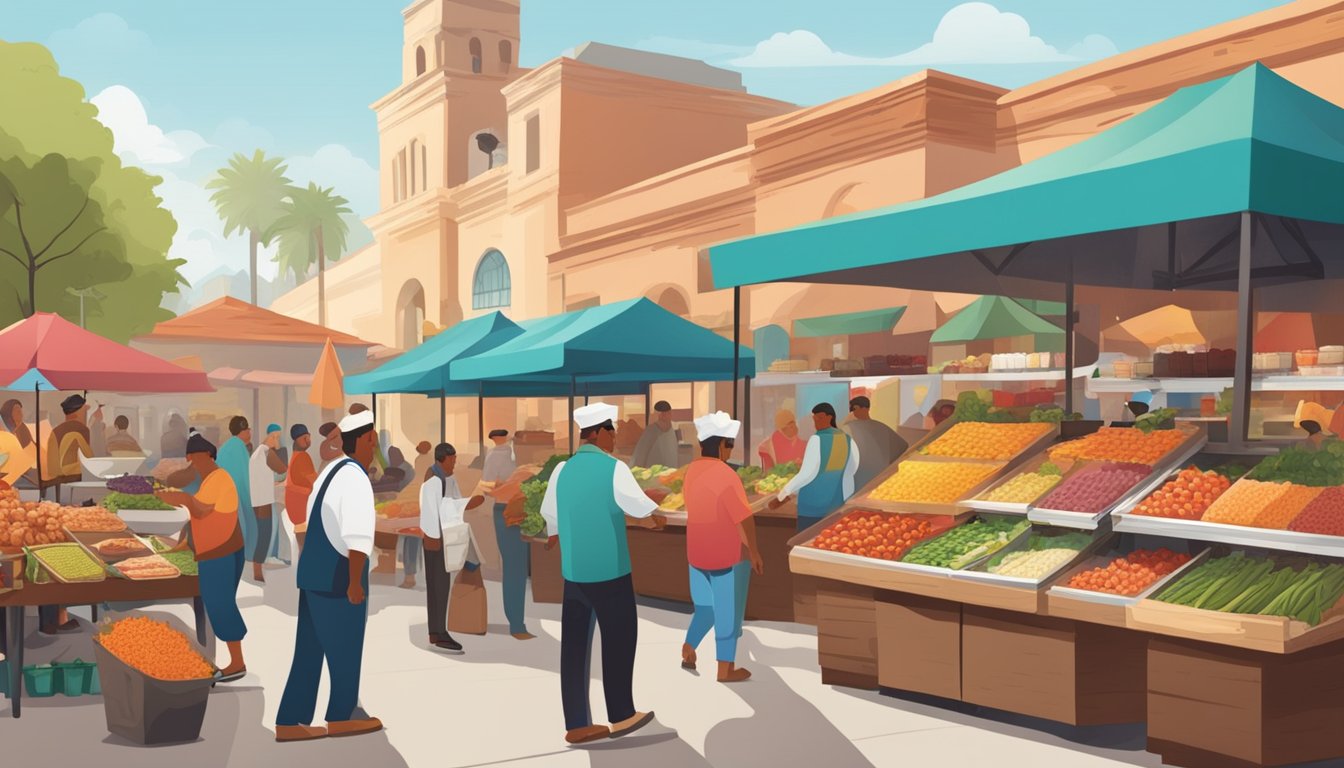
[826,479]
[587,504]
[333,581]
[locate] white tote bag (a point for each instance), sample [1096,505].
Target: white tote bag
[458,543]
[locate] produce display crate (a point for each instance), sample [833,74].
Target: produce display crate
[1029,466]
[1224,533]
[35,561]
[158,521]
[122,574]
[1195,441]
[918,644]
[90,540]
[1103,607]
[980,573]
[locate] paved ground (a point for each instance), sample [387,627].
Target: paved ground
[498,705]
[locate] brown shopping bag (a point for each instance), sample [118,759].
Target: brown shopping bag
[467,610]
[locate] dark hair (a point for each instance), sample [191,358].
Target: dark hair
[498,433]
[1311,426]
[1137,408]
[826,409]
[121,422]
[358,408]
[198,444]
[710,446]
[443,451]
[662,406]
[19,429]
[860,402]
[349,439]
[424,446]
[326,429]
[236,425]
[587,432]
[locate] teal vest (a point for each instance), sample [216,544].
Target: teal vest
[826,493]
[592,526]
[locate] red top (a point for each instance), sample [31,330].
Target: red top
[716,505]
[298,485]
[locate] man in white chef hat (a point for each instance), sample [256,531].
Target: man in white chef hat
[588,503]
[333,582]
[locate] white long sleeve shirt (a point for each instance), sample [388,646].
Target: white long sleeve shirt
[811,467]
[629,497]
[347,510]
[431,499]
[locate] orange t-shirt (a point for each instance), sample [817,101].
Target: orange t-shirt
[716,504]
[217,534]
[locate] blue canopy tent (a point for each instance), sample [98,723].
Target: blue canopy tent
[1233,184]
[607,349]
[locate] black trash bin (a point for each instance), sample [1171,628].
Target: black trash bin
[149,711]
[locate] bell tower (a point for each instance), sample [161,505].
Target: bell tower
[460,37]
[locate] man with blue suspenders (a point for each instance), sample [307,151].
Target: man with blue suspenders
[333,581]
[826,479]
[588,501]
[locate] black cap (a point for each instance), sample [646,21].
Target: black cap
[662,406]
[297,431]
[499,433]
[198,444]
[73,403]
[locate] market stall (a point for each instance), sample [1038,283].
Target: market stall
[1149,590]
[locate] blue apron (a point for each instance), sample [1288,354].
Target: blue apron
[826,492]
[321,568]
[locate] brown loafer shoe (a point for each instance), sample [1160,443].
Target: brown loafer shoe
[354,727]
[630,725]
[299,733]
[587,734]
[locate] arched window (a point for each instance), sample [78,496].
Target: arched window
[419,60]
[491,286]
[505,55]
[475,47]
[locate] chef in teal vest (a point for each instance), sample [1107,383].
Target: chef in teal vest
[589,501]
[826,479]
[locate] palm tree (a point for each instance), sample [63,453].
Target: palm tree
[249,194]
[311,222]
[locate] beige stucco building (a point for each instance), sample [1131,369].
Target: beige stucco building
[604,175]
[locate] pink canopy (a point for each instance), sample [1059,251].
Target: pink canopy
[49,352]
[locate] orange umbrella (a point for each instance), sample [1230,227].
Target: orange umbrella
[327,392]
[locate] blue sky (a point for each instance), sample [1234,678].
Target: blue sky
[183,83]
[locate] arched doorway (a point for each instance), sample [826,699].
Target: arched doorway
[410,315]
[673,300]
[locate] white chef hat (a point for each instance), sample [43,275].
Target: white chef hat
[595,413]
[355,421]
[717,424]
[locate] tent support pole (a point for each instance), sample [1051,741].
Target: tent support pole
[746,422]
[573,385]
[480,425]
[737,342]
[38,438]
[443,417]
[284,407]
[648,391]
[375,411]
[1069,317]
[256,413]
[1240,417]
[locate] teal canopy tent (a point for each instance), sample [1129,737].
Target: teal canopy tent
[1224,185]
[849,323]
[992,317]
[424,370]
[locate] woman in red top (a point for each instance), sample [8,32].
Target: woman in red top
[299,481]
[720,546]
[784,445]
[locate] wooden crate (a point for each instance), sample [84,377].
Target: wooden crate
[805,599]
[548,583]
[1057,669]
[771,595]
[1209,705]
[1274,634]
[919,644]
[847,635]
[658,563]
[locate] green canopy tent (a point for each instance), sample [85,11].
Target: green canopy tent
[1225,185]
[849,323]
[992,317]
[609,347]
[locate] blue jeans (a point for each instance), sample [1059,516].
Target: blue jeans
[219,577]
[410,555]
[517,562]
[330,629]
[720,599]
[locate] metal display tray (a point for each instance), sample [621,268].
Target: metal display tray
[1020,544]
[1320,544]
[1100,560]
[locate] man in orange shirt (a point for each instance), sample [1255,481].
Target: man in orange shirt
[720,546]
[299,481]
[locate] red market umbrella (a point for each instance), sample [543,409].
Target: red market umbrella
[48,352]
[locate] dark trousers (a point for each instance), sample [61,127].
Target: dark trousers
[611,606]
[438,583]
[265,519]
[330,629]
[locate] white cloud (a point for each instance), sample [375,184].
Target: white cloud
[970,33]
[138,141]
[103,35]
[1093,47]
[334,165]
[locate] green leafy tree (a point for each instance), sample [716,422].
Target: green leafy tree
[249,197]
[52,233]
[43,114]
[311,225]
